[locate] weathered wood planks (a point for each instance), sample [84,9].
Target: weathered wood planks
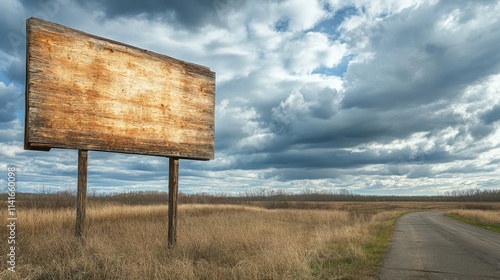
[89,93]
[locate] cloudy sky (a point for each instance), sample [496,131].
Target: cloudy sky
[373,96]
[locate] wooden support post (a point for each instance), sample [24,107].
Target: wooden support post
[173,189]
[81,197]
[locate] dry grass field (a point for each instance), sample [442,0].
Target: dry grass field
[319,241]
[489,219]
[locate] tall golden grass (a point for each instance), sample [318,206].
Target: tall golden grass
[489,219]
[214,242]
[343,240]
[481,216]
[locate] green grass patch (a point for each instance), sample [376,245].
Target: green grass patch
[332,267]
[470,221]
[354,266]
[376,249]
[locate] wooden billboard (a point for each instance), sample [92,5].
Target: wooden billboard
[90,93]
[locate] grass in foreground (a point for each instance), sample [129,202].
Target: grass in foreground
[214,242]
[488,219]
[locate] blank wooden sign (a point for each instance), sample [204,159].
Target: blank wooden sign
[89,93]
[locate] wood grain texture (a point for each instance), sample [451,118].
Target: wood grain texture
[81,196]
[90,93]
[173,190]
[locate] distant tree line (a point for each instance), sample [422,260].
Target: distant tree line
[474,195]
[64,199]
[468,195]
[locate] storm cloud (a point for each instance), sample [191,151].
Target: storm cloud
[377,97]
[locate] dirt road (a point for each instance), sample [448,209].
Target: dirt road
[428,245]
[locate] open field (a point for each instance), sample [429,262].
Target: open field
[486,219]
[260,240]
[215,242]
